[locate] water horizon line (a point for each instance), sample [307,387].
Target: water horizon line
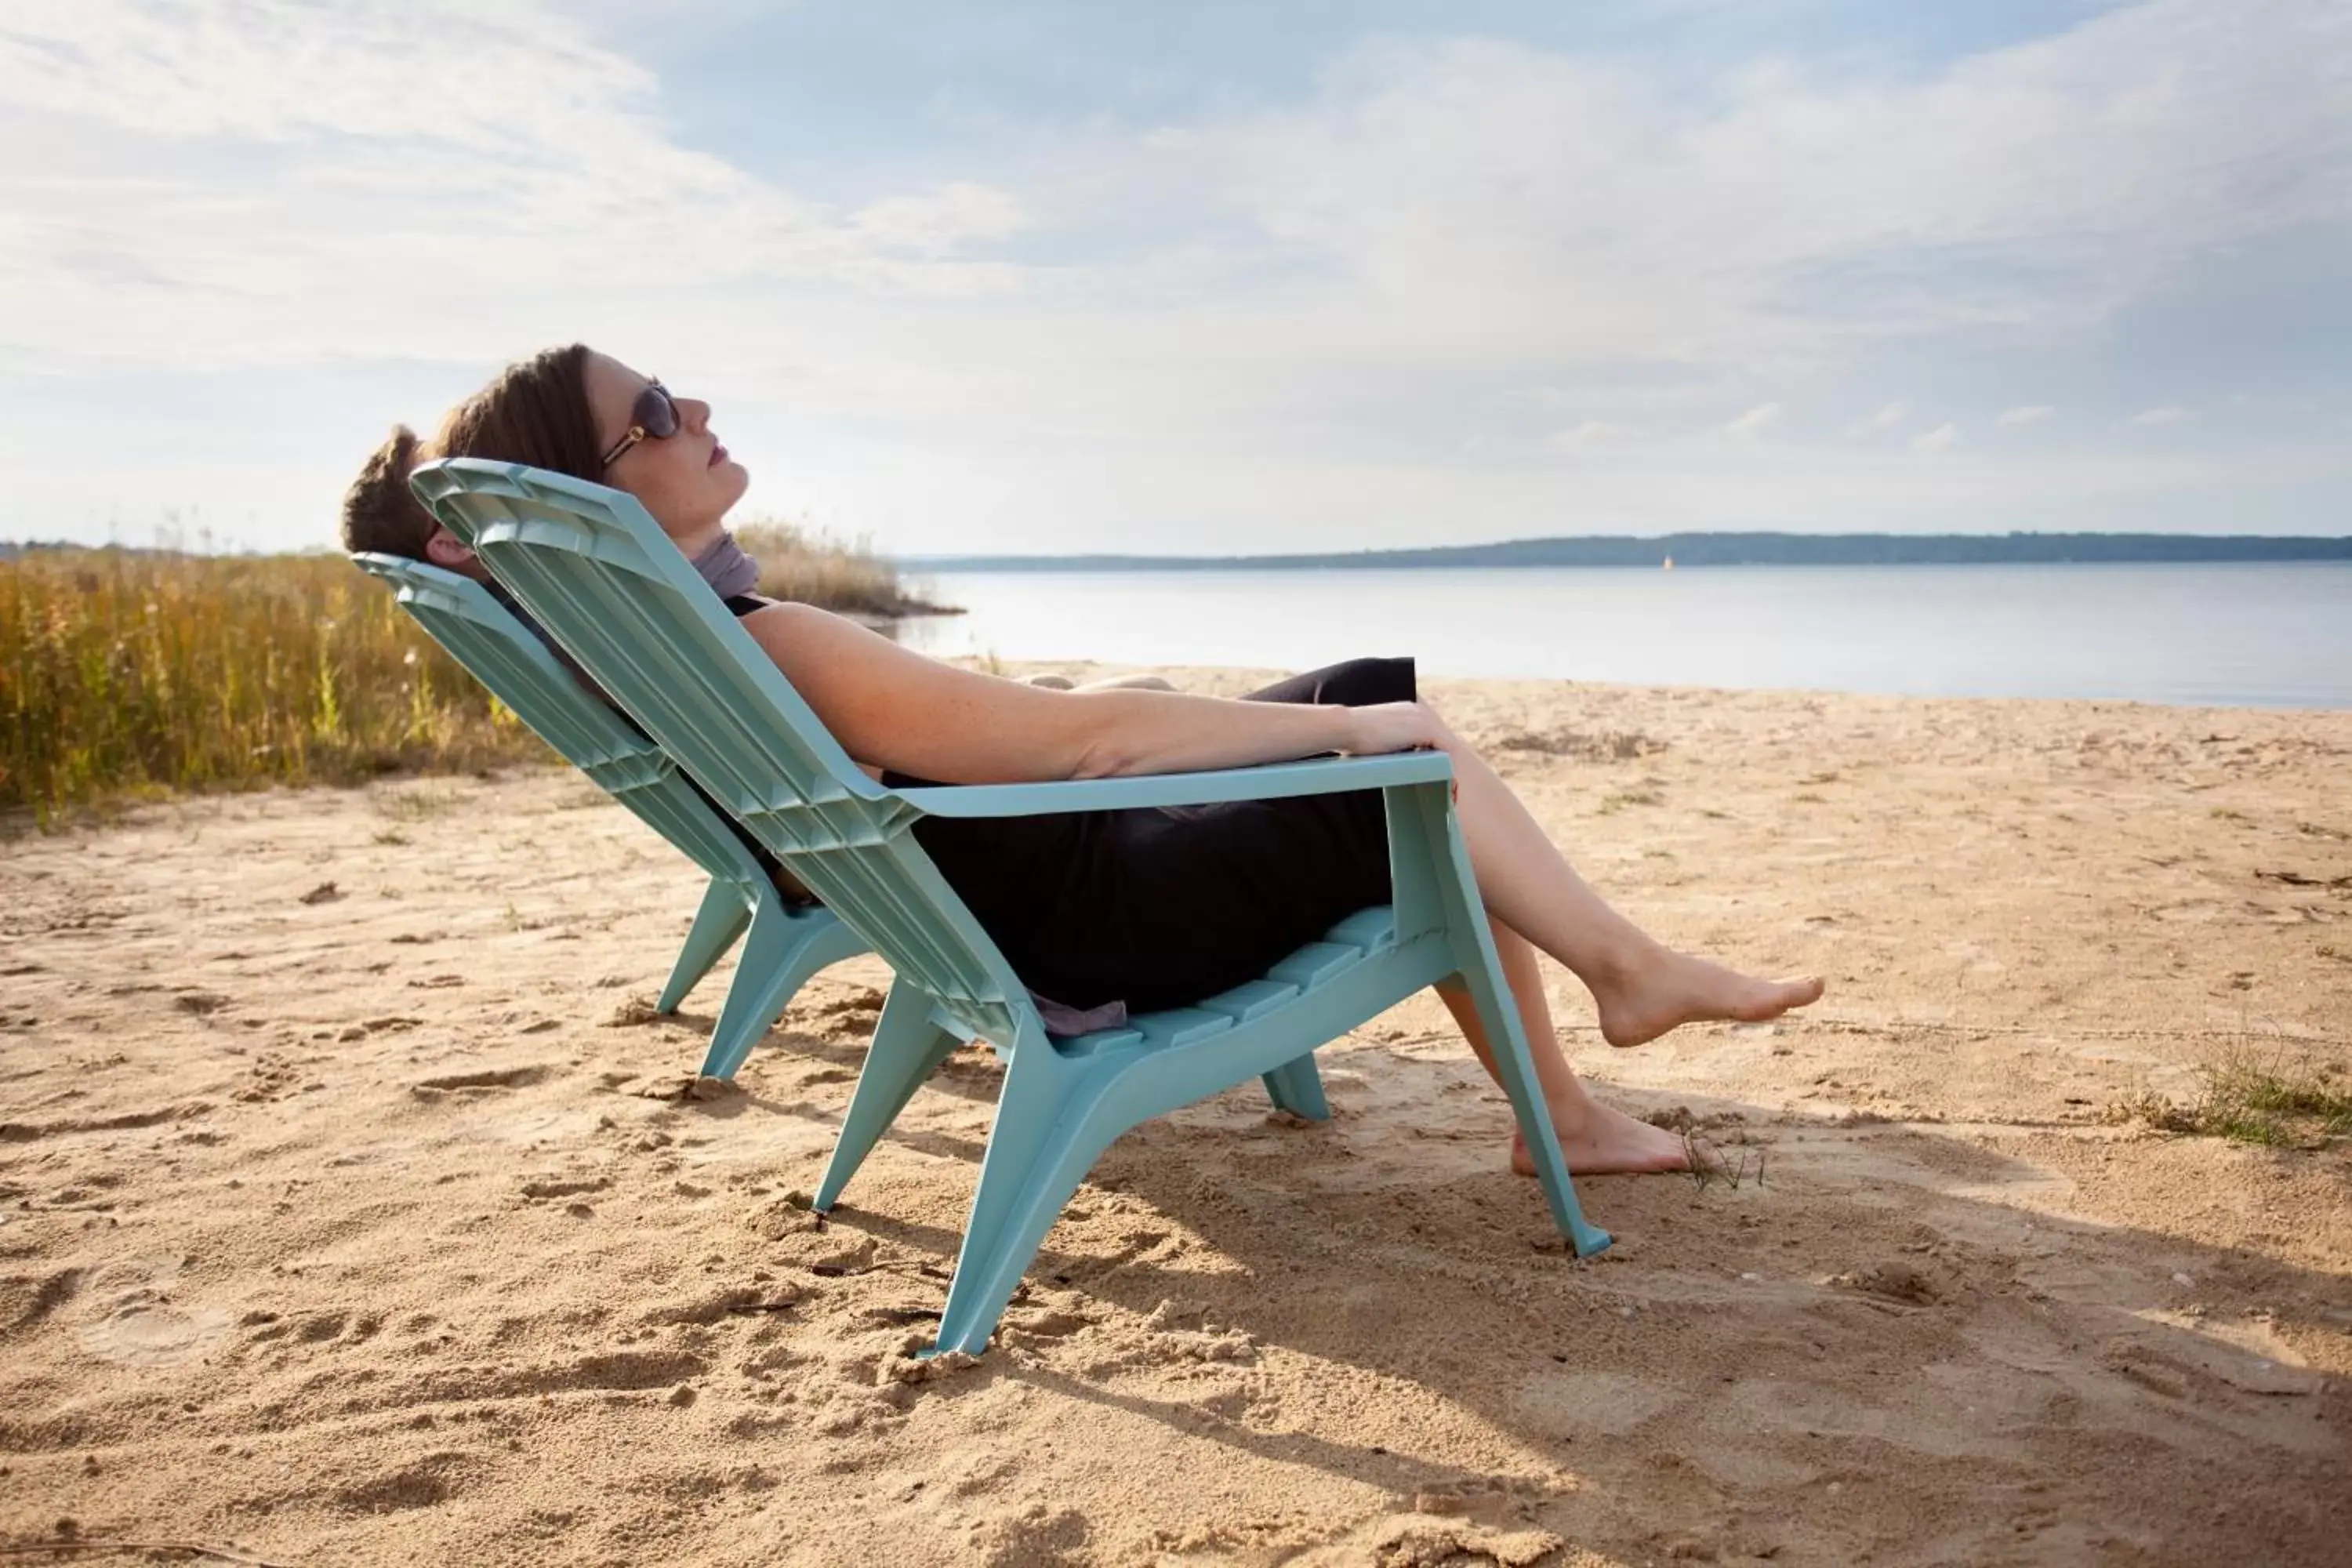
[1704,549]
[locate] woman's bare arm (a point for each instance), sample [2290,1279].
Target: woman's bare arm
[891,705]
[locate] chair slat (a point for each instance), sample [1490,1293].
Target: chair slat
[1251,999]
[1316,964]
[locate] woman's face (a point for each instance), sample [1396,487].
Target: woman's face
[686,481]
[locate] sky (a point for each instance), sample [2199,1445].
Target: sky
[1204,278]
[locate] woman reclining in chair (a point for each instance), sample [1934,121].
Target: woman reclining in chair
[1151,907]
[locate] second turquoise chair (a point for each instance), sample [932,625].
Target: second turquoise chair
[595,570]
[785,945]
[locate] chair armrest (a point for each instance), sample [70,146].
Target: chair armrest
[1320,776]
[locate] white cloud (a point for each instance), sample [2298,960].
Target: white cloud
[936,223]
[1583,437]
[2171,413]
[267,181]
[1943,438]
[1888,417]
[1490,191]
[274,71]
[2025,414]
[1754,421]
[1472,198]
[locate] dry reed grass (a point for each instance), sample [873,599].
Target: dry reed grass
[815,568]
[129,674]
[132,673]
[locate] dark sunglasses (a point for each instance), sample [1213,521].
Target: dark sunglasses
[654,417]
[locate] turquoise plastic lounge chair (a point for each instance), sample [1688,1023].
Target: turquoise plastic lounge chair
[785,945]
[594,568]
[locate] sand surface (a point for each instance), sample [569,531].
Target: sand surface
[342,1220]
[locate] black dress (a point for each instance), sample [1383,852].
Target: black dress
[1158,907]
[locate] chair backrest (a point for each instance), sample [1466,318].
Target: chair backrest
[520,671]
[595,570]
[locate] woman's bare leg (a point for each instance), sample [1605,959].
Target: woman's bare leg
[1596,1139]
[1642,988]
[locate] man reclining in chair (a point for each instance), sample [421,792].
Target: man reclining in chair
[1151,908]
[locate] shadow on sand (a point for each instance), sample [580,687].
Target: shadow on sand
[1897,1347]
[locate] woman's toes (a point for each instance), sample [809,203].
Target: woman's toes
[1775,997]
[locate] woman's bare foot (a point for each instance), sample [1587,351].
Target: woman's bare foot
[1667,989]
[1609,1143]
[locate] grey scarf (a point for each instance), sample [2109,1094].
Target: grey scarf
[726,568]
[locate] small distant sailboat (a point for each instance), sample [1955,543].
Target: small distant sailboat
[1669,566]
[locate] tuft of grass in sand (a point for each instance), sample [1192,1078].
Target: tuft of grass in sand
[2251,1103]
[1717,1148]
[2249,1100]
[1610,805]
[419,805]
[1710,1164]
[1599,746]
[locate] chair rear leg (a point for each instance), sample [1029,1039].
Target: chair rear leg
[1298,1088]
[785,947]
[721,920]
[908,1047]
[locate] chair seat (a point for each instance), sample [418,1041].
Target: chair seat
[1311,967]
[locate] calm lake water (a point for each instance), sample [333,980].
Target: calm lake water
[2253,635]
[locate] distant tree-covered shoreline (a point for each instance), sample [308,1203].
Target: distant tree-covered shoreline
[1714,550]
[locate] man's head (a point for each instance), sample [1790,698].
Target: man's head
[382,514]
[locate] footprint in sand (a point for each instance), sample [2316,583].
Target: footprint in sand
[1031,1532]
[531,1128]
[1566,1405]
[485,1079]
[132,1316]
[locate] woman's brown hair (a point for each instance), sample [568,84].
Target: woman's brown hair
[536,412]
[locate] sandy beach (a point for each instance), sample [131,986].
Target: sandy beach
[350,1213]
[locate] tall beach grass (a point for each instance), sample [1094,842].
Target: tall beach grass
[797,562]
[130,674]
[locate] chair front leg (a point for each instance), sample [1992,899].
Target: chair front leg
[1481,974]
[1051,1123]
